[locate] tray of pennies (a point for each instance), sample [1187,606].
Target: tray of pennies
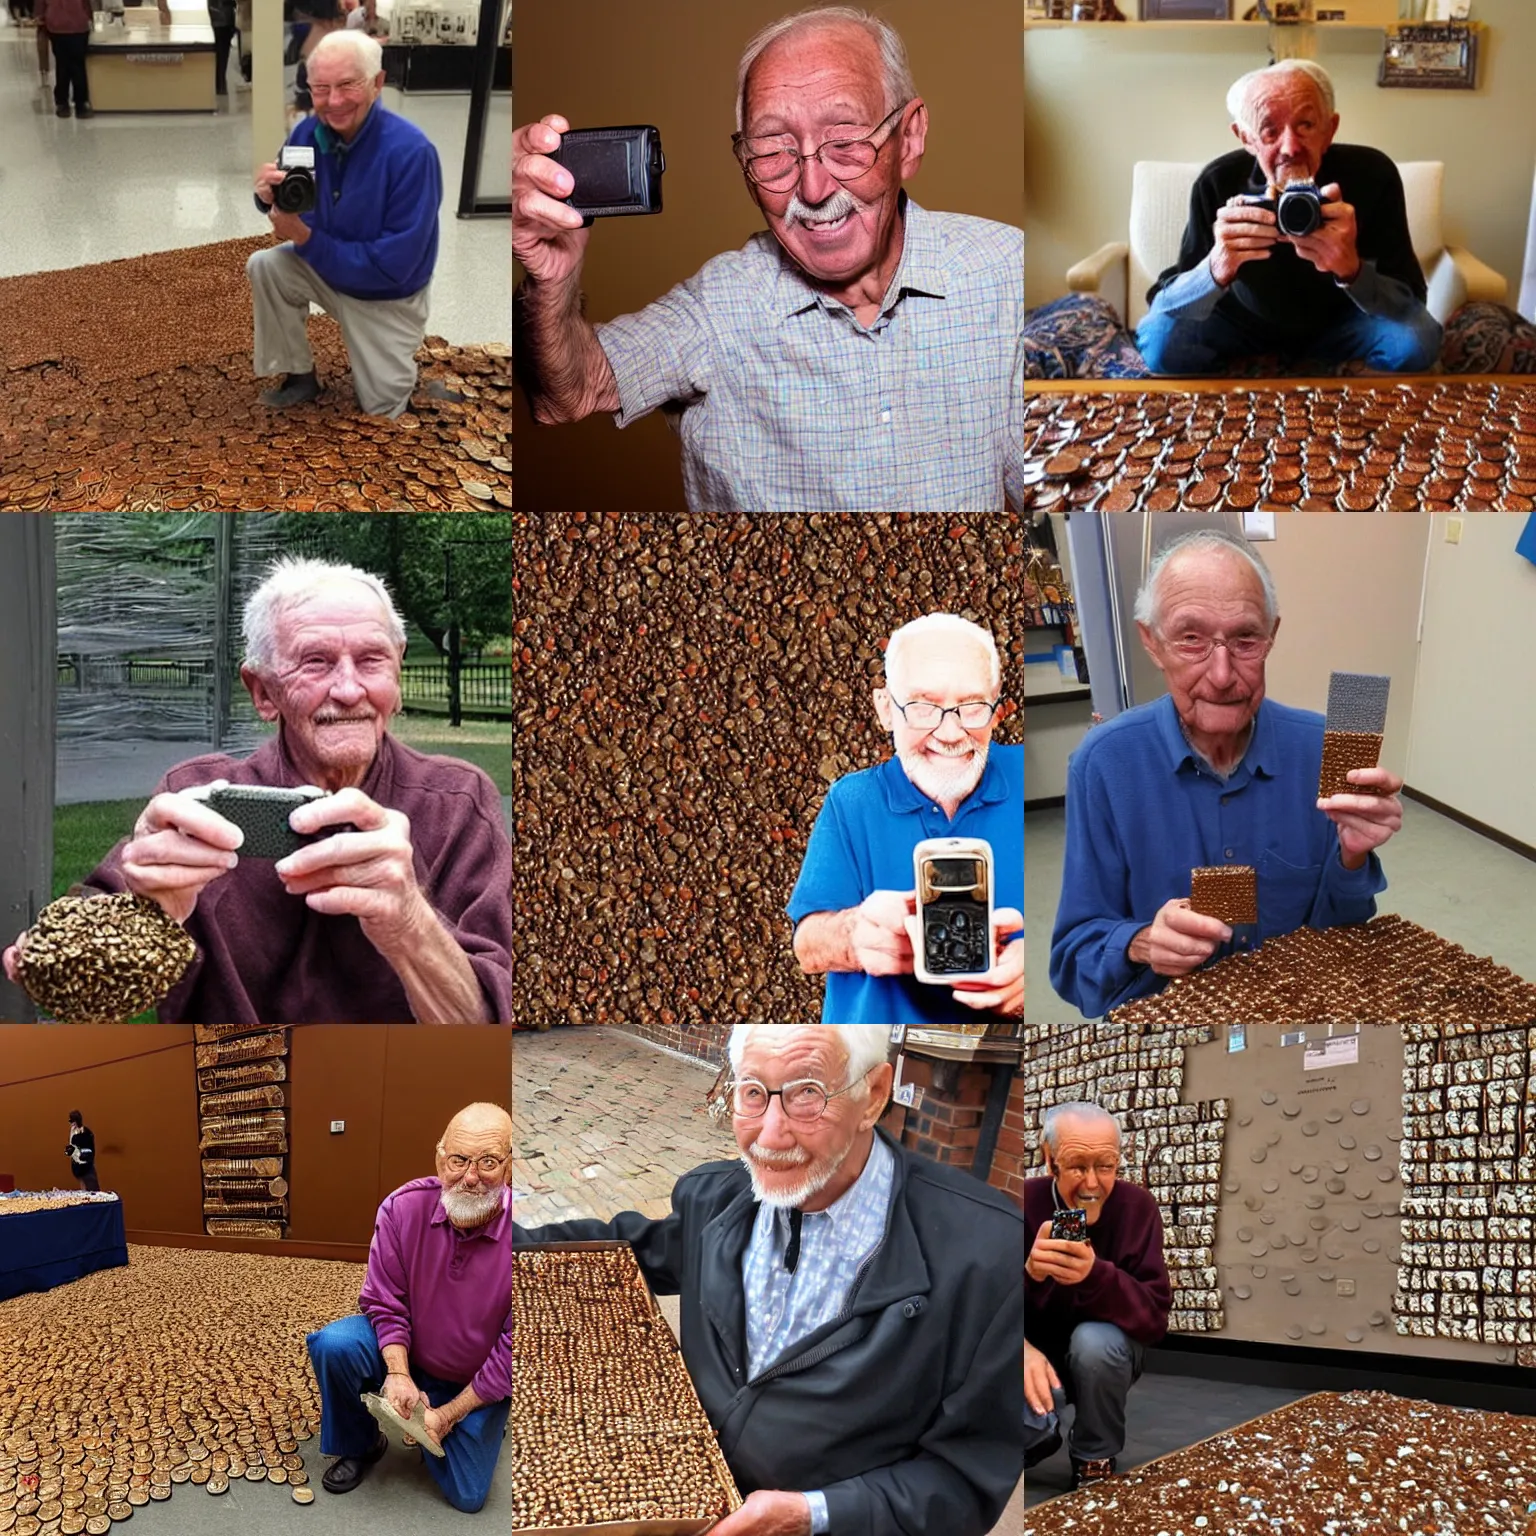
[1440,447]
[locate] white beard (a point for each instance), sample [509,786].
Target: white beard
[945,781]
[817,1175]
[471,1210]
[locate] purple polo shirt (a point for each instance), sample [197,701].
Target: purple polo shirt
[444,1294]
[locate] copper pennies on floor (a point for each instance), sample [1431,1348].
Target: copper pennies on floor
[303,1495]
[218,1483]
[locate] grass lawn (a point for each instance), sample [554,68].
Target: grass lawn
[83,835]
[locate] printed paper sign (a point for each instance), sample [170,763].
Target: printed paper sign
[1340,1051]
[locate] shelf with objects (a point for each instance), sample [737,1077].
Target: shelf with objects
[1057,696]
[431,45]
[1284,15]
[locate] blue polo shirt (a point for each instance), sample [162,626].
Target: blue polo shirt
[862,842]
[1143,811]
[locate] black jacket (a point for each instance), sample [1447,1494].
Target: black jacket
[905,1411]
[1287,293]
[82,1149]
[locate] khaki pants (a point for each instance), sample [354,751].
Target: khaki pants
[382,335]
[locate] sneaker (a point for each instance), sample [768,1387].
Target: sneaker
[61,111]
[1085,1472]
[296,389]
[86,111]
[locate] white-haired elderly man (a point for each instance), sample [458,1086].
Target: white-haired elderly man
[400,909]
[1348,289]
[861,354]
[365,252]
[1093,1304]
[851,1312]
[854,903]
[1213,773]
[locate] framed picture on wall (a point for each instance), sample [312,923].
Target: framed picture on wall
[1186,10]
[1442,58]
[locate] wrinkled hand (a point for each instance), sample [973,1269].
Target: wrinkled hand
[1365,822]
[369,873]
[1002,989]
[768,1514]
[1052,1258]
[179,846]
[547,236]
[438,1423]
[266,179]
[1243,232]
[879,936]
[289,226]
[1179,939]
[1040,1379]
[1333,247]
[401,1393]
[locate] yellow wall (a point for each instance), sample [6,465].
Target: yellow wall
[1097,99]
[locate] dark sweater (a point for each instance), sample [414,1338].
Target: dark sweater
[1128,1284]
[265,957]
[82,1149]
[1286,294]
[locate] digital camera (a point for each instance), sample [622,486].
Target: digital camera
[614,170]
[295,193]
[1298,210]
[261,811]
[953,877]
[1069,1226]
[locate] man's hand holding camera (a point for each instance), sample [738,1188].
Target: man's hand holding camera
[1333,246]
[1002,989]
[547,235]
[287,226]
[1245,231]
[1052,1258]
[879,937]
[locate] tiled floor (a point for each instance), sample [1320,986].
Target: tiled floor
[124,184]
[603,1122]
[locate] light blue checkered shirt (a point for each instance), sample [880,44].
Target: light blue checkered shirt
[785,403]
[783,1308]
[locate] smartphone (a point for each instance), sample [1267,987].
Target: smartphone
[1070,1226]
[953,878]
[616,170]
[261,811]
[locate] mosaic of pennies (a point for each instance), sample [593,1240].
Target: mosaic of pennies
[130,388]
[1399,448]
[184,1367]
[243,1129]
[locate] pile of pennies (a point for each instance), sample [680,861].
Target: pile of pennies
[1440,447]
[183,1367]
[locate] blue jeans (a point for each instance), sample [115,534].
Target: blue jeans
[347,1362]
[1197,348]
[1041,1433]
[1102,1365]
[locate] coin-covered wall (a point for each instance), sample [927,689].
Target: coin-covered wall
[1346,1211]
[685,691]
[243,1129]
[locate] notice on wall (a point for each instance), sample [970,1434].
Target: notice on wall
[1340,1051]
[1237,1037]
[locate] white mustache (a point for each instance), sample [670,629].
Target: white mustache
[342,719]
[839,203]
[950,749]
[775,1159]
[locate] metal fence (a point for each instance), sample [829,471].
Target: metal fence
[482,684]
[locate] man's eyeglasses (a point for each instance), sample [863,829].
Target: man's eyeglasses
[777,166]
[1196,647]
[924,715]
[803,1099]
[341,88]
[1082,1170]
[488,1166]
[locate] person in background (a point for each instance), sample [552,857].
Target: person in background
[243,26]
[82,1152]
[221,13]
[68,26]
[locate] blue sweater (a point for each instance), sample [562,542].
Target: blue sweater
[374,228]
[1143,811]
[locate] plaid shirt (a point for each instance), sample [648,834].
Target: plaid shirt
[785,402]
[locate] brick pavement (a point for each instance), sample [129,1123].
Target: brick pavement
[604,1122]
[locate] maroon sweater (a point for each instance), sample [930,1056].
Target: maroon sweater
[265,958]
[1128,1284]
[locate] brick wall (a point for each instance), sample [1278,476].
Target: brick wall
[946,1125]
[705,1041]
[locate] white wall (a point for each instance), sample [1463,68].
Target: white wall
[1473,737]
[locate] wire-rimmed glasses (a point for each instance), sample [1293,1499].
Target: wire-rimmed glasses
[777,166]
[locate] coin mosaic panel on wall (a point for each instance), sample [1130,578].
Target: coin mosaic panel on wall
[242,1113]
[183,1367]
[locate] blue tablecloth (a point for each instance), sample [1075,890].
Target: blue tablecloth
[42,1249]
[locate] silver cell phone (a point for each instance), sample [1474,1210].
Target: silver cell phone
[953,878]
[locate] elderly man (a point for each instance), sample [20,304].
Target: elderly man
[1212,773]
[1352,289]
[403,915]
[861,354]
[365,253]
[436,1320]
[854,903]
[851,1313]
[1091,1307]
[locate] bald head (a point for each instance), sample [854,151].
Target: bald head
[488,1123]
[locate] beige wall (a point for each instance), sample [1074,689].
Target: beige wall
[1097,99]
[673,63]
[1473,741]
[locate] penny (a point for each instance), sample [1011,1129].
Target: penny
[71,1524]
[255,1474]
[123,1511]
[277,1474]
[1063,466]
[1165,499]
[98,1525]
[298,1478]
[159,1491]
[303,1495]
[218,1483]
[179,1474]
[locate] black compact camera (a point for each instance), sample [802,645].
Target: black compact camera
[616,170]
[1069,1226]
[295,193]
[261,811]
[1298,210]
[953,876]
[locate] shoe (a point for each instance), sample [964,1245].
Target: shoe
[1042,1452]
[61,111]
[1085,1472]
[296,389]
[344,1474]
[86,111]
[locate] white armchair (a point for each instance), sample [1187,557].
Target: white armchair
[1122,271]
